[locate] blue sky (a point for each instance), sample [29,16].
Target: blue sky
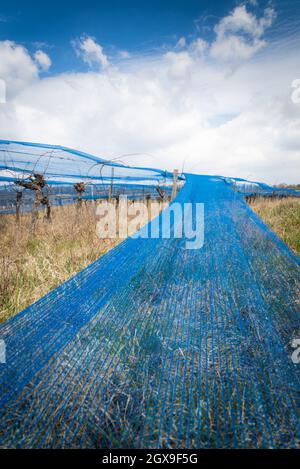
[208,85]
[137,26]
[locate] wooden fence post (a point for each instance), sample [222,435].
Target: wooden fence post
[110,191]
[174,188]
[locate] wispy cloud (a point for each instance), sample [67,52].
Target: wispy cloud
[91,52]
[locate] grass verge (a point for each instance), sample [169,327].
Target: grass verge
[283,217]
[32,264]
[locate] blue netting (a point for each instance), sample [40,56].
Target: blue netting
[154,345]
[61,165]
[255,188]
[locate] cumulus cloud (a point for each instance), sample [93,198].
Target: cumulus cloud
[242,21]
[235,48]
[179,63]
[16,67]
[239,35]
[91,52]
[180,106]
[43,60]
[199,46]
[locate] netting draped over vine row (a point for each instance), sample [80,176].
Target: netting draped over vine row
[155,345]
[61,165]
[62,169]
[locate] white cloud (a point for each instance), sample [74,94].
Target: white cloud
[178,106]
[235,47]
[179,63]
[198,47]
[43,60]
[91,52]
[239,35]
[242,21]
[16,67]
[180,43]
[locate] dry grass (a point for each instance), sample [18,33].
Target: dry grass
[283,217]
[33,263]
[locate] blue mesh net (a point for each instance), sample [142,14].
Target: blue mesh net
[62,168]
[157,346]
[62,165]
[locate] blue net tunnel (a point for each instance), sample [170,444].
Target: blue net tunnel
[63,168]
[159,346]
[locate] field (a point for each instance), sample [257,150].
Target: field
[156,345]
[33,263]
[283,217]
